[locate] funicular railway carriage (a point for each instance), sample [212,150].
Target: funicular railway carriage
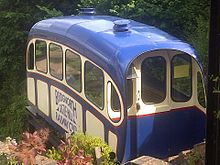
[133,85]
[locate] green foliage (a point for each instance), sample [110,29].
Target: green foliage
[200,39]
[217,114]
[53,153]
[187,19]
[194,158]
[86,143]
[13,111]
[16,19]
[15,22]
[71,156]
[6,159]
[3,159]
[50,13]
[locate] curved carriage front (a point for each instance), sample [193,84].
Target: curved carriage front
[139,89]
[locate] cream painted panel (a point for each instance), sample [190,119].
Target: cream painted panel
[94,126]
[42,97]
[149,108]
[31,90]
[66,111]
[112,141]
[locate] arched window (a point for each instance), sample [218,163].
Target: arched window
[181,78]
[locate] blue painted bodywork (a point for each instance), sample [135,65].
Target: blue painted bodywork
[164,134]
[95,38]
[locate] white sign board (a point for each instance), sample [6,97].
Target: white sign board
[66,111]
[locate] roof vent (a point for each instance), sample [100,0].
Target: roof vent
[121,25]
[87,11]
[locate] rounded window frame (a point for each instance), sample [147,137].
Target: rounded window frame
[61,62]
[109,101]
[166,72]
[171,78]
[35,61]
[28,56]
[81,70]
[103,82]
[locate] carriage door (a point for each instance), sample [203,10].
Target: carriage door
[151,102]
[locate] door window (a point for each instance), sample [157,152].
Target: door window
[153,80]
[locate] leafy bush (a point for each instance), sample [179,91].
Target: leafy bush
[16,19]
[80,145]
[200,38]
[70,155]
[3,159]
[30,146]
[13,112]
[8,159]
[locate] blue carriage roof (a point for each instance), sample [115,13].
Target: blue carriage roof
[94,37]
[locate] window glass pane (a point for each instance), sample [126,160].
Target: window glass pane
[73,70]
[153,80]
[129,93]
[94,84]
[200,90]
[41,56]
[115,102]
[56,61]
[31,57]
[181,68]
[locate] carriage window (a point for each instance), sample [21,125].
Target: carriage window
[41,56]
[115,102]
[129,93]
[31,57]
[114,106]
[181,69]
[56,61]
[129,85]
[73,70]
[94,84]
[153,80]
[200,90]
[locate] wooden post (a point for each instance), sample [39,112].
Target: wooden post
[213,107]
[98,155]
